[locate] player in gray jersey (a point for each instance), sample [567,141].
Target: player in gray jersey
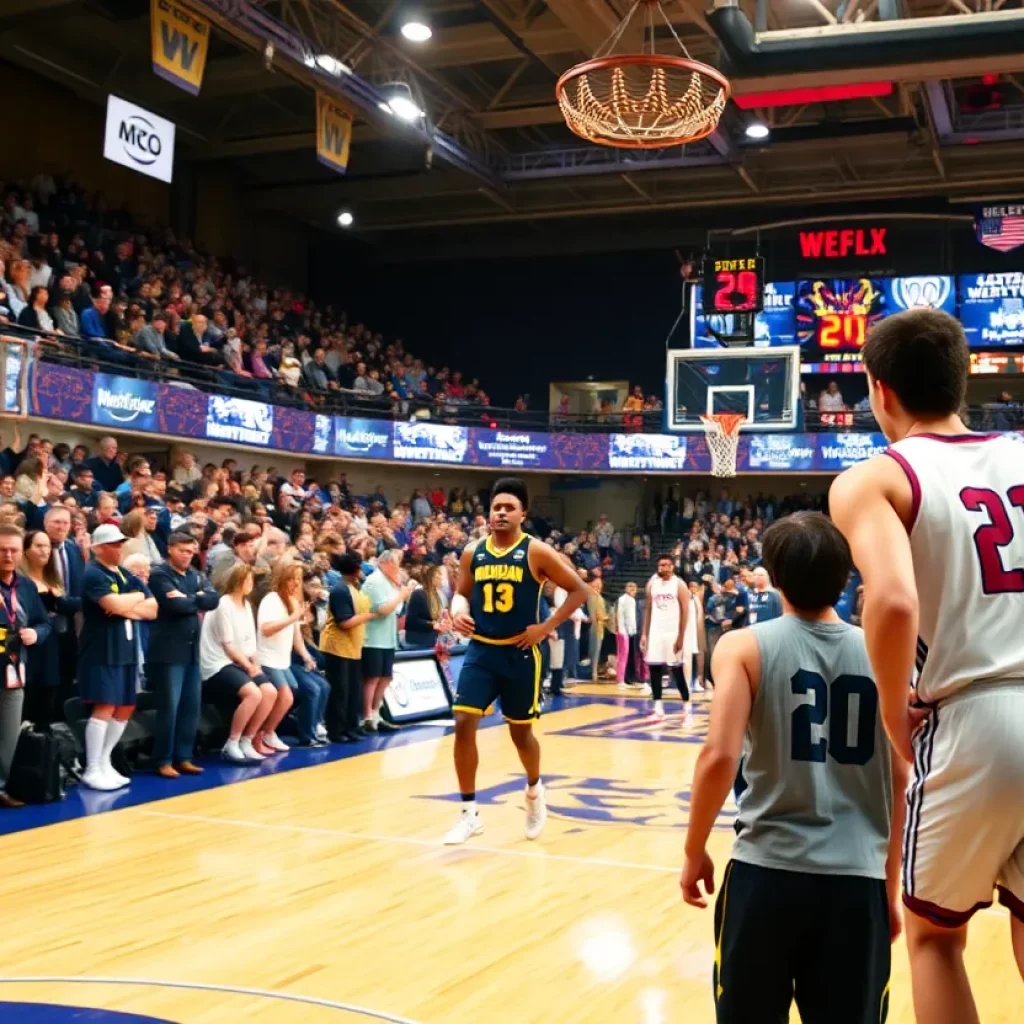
[809,903]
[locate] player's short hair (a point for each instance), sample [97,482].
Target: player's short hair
[922,356]
[348,564]
[808,559]
[514,486]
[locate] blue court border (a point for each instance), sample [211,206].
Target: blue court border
[150,788]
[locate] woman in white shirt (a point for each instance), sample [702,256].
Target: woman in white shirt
[279,632]
[228,665]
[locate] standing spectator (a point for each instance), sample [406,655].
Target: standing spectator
[341,642]
[229,669]
[23,624]
[113,601]
[625,637]
[172,659]
[106,468]
[386,595]
[765,603]
[604,533]
[423,617]
[42,683]
[737,602]
[71,571]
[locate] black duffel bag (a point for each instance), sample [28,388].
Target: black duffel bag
[35,776]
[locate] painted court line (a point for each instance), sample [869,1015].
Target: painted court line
[431,844]
[328,1004]
[437,845]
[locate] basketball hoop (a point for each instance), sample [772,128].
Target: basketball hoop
[643,100]
[723,436]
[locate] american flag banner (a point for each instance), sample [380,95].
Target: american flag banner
[1000,227]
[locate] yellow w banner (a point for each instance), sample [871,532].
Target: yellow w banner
[180,41]
[333,133]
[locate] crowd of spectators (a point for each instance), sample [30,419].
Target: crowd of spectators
[143,299]
[244,587]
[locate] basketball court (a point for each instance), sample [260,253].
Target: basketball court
[317,889]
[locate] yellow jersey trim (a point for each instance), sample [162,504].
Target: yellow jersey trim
[505,642]
[463,707]
[502,552]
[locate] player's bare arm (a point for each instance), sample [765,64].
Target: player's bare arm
[866,504]
[462,621]
[646,631]
[547,564]
[736,667]
[683,596]
[894,861]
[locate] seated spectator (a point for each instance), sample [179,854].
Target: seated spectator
[150,339]
[35,315]
[229,669]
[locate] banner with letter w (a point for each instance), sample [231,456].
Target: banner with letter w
[180,43]
[333,133]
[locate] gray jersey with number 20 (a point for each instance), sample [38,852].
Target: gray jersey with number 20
[816,769]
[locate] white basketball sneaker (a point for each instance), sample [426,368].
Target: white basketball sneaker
[468,825]
[96,778]
[536,812]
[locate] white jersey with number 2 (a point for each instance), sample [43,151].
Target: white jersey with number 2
[967,539]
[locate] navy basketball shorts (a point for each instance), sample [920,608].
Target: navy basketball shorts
[493,671]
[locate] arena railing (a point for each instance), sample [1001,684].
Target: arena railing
[105,357]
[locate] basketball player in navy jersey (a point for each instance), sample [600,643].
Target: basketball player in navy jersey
[497,604]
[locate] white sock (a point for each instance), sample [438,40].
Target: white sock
[469,807]
[95,733]
[115,730]
[532,791]
[659,707]
[376,716]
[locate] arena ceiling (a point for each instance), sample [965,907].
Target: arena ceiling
[493,155]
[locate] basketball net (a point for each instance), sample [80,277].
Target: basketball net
[723,436]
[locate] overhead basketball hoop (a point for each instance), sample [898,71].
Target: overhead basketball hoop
[643,100]
[722,431]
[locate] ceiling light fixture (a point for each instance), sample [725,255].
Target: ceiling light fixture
[757,130]
[398,100]
[416,31]
[345,219]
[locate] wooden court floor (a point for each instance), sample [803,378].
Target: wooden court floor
[324,894]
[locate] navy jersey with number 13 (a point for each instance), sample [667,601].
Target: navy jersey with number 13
[506,594]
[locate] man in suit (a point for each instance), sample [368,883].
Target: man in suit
[23,623]
[71,569]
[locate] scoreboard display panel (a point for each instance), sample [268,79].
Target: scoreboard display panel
[733,286]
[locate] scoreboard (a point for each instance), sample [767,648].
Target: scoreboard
[733,286]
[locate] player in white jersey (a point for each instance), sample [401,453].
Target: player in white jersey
[661,642]
[692,642]
[936,526]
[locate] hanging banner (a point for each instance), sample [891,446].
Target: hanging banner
[333,133]
[1000,227]
[180,43]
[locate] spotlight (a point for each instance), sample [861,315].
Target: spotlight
[416,31]
[345,219]
[403,107]
[757,130]
[268,55]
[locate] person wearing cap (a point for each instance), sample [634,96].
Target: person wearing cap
[150,339]
[113,601]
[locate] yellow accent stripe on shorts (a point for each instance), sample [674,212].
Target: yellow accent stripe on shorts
[537,666]
[719,988]
[468,710]
[504,642]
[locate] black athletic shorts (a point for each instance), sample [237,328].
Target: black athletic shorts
[821,939]
[378,662]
